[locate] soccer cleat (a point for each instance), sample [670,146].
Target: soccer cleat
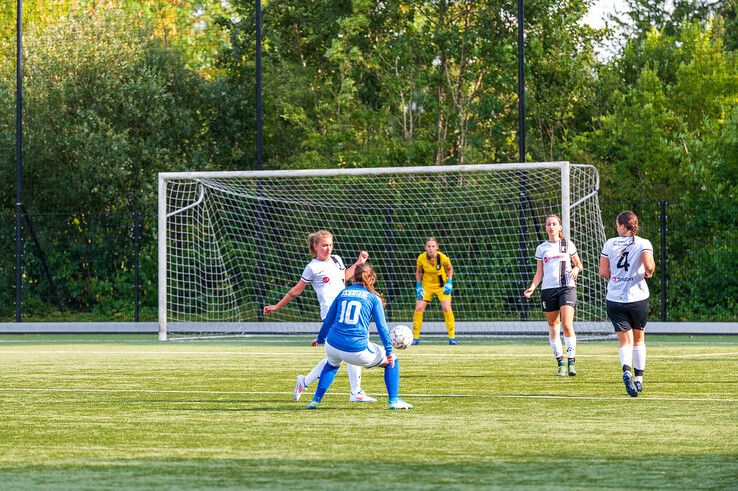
[361,396]
[452,341]
[300,387]
[400,404]
[639,385]
[572,370]
[313,405]
[629,385]
[416,342]
[561,372]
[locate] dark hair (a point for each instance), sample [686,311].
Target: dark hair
[629,220]
[364,274]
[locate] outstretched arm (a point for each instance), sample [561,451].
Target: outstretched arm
[294,292]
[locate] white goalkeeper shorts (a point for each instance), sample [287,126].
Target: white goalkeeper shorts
[372,356]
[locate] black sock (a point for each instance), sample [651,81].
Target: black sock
[638,372]
[626,368]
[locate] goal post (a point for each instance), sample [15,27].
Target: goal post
[232,242]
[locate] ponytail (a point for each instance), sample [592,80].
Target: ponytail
[364,274]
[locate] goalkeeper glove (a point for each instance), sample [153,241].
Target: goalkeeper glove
[419,291]
[448,287]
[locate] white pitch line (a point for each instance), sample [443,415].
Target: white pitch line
[320,353]
[432,396]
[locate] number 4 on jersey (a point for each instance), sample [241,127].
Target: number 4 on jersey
[623,261]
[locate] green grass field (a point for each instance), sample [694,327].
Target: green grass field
[117,411]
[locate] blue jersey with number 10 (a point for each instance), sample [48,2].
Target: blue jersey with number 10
[346,326]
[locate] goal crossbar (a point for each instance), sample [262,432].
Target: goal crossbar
[213,229]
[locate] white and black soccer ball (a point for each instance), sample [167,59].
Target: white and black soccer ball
[401,336]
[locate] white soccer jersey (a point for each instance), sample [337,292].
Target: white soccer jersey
[327,278]
[556,257]
[627,272]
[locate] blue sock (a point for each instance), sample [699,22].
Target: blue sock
[326,379]
[392,380]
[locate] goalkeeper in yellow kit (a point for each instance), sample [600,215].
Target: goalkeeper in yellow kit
[433,276]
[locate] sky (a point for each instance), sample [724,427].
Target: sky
[601,8]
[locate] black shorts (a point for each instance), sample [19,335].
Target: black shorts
[625,316]
[553,299]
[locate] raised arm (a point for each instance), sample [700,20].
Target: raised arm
[349,273]
[294,292]
[536,279]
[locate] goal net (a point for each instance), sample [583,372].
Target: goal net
[232,242]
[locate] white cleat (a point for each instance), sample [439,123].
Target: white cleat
[361,396]
[400,404]
[300,387]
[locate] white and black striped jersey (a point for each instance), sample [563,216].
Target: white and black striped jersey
[556,257]
[327,278]
[627,272]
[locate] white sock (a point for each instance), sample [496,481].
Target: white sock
[556,347]
[354,375]
[315,372]
[626,355]
[639,357]
[571,346]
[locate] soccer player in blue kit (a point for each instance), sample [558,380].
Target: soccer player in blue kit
[345,333]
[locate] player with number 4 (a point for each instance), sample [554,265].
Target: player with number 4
[626,262]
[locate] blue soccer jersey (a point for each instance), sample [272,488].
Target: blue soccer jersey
[346,326]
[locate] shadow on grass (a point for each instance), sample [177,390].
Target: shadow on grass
[656,471]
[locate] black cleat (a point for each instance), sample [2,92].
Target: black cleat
[639,386]
[629,385]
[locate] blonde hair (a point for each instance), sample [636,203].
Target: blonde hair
[431,238]
[561,232]
[314,240]
[629,220]
[364,274]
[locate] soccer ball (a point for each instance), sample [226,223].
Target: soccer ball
[401,336]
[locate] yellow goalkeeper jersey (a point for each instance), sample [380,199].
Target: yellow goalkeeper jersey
[434,273]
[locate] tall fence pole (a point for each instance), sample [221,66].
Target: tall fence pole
[136,264]
[664,261]
[19,165]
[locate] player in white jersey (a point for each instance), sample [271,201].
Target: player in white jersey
[557,277]
[345,333]
[626,262]
[328,275]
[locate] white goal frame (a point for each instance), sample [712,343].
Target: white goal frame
[535,327]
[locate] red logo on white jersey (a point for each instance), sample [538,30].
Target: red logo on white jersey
[326,279]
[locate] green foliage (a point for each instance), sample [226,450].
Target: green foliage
[117,91]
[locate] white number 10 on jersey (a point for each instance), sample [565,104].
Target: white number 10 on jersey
[350,311]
